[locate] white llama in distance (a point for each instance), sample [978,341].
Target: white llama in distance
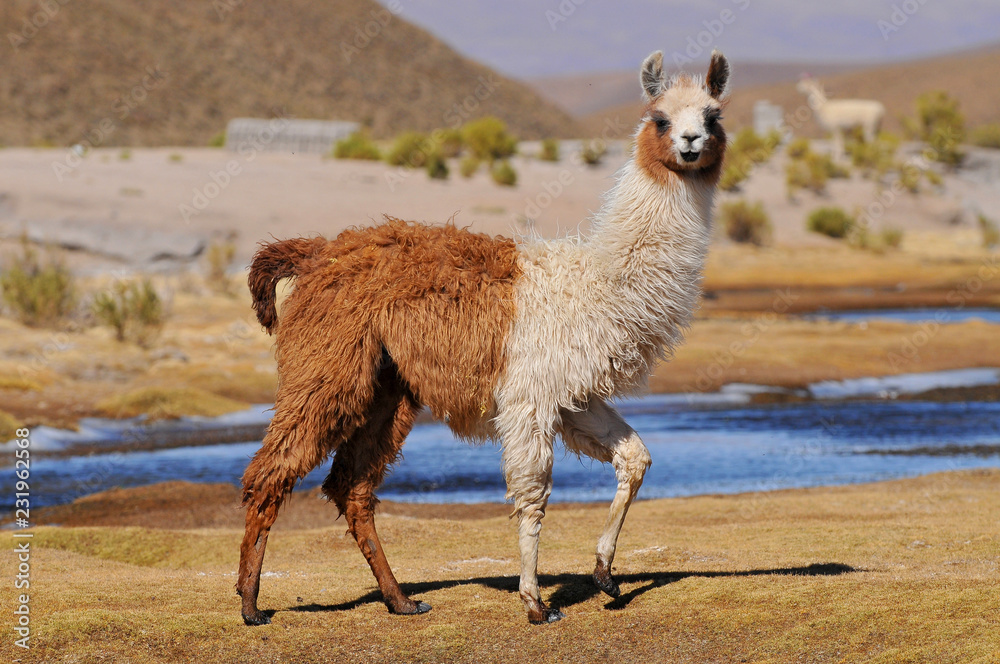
[842,115]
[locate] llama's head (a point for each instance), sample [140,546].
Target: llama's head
[681,131]
[810,86]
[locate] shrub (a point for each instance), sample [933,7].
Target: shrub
[940,124]
[990,231]
[219,256]
[876,157]
[745,222]
[798,148]
[986,136]
[449,142]
[38,293]
[830,221]
[592,152]
[550,150]
[437,168]
[488,139]
[469,165]
[758,149]
[410,149]
[176,157]
[892,237]
[357,146]
[735,171]
[125,154]
[218,141]
[504,174]
[132,309]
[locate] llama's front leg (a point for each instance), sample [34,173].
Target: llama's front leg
[528,471]
[601,433]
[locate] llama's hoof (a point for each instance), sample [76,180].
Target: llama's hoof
[258,618]
[604,580]
[416,609]
[547,616]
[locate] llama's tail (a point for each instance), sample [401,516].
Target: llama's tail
[272,263]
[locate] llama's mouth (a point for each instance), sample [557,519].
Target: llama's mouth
[690,156]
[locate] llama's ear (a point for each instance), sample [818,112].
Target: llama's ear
[717,80]
[651,76]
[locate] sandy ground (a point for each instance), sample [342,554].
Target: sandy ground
[902,571]
[188,193]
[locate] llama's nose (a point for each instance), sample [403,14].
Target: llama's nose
[691,138]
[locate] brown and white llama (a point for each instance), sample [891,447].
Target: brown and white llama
[516,342]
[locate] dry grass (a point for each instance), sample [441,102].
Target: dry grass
[895,572]
[158,403]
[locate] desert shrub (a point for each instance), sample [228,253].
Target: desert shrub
[831,221]
[449,142]
[218,257]
[218,141]
[550,150]
[986,136]
[357,146]
[798,148]
[990,231]
[469,165]
[746,222]
[892,237]
[39,293]
[437,167]
[504,174]
[811,171]
[410,149]
[941,125]
[487,138]
[876,157]
[758,149]
[125,154]
[175,157]
[592,152]
[132,309]
[734,172]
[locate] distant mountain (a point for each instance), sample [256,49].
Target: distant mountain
[970,76]
[173,72]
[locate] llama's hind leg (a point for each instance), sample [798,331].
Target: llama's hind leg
[528,472]
[269,478]
[358,469]
[301,435]
[601,433]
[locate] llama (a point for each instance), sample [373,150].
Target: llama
[840,115]
[516,342]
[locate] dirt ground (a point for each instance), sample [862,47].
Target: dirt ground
[902,571]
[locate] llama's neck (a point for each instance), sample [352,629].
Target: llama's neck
[652,241]
[646,228]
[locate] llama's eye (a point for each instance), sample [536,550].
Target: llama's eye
[662,124]
[712,120]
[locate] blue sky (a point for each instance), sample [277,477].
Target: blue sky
[526,38]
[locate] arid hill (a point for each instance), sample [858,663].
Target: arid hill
[148,72]
[969,76]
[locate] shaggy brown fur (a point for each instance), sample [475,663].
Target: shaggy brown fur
[380,321]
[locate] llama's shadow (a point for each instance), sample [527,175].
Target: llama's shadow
[576,588]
